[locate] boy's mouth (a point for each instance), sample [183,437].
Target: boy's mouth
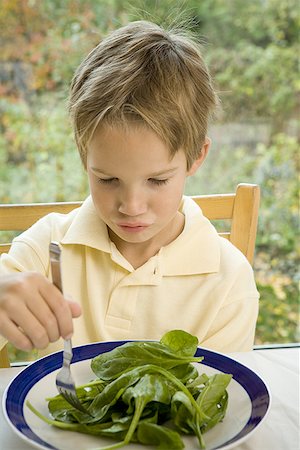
[133,227]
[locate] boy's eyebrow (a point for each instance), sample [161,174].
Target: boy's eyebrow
[156,174]
[98,170]
[164,172]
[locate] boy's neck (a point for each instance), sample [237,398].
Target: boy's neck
[139,253]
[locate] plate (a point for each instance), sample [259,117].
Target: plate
[249,401]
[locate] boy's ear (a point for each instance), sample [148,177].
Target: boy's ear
[202,155]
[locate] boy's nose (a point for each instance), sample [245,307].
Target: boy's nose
[133,203]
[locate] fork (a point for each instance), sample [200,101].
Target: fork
[64,380]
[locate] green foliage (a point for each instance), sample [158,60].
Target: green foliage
[37,151]
[275,169]
[251,47]
[279,313]
[254,85]
[254,56]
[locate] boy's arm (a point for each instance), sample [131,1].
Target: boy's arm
[233,329]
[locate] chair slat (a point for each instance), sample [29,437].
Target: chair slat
[216,207]
[245,218]
[21,216]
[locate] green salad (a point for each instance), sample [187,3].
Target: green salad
[146,392]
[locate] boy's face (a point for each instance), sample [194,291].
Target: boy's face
[135,185]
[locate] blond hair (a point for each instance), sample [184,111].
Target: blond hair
[144,74]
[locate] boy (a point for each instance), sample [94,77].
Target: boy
[138,257]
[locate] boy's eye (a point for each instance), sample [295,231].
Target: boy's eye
[158,182]
[106,180]
[155,181]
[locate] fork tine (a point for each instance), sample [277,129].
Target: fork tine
[73,401]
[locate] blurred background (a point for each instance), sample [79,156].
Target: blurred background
[252,49]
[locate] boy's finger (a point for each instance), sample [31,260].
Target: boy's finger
[59,306]
[15,335]
[75,309]
[29,324]
[40,309]
[74,306]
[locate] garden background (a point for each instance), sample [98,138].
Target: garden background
[252,49]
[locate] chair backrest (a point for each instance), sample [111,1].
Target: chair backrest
[240,208]
[19,217]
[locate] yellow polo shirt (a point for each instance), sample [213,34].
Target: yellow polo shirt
[199,282]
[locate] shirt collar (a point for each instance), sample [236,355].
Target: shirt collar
[197,248]
[88,229]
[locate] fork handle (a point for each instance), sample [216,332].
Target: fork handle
[55,253]
[68,352]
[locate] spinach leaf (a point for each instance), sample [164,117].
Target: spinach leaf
[163,437]
[181,412]
[149,388]
[115,389]
[213,399]
[180,342]
[108,366]
[60,409]
[185,372]
[184,417]
[81,428]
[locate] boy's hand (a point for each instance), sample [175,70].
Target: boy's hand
[33,312]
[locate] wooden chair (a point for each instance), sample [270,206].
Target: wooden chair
[240,208]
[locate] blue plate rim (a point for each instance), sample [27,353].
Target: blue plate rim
[257,390]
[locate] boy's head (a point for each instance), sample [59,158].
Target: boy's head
[141,74]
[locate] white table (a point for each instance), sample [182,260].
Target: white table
[279,368]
